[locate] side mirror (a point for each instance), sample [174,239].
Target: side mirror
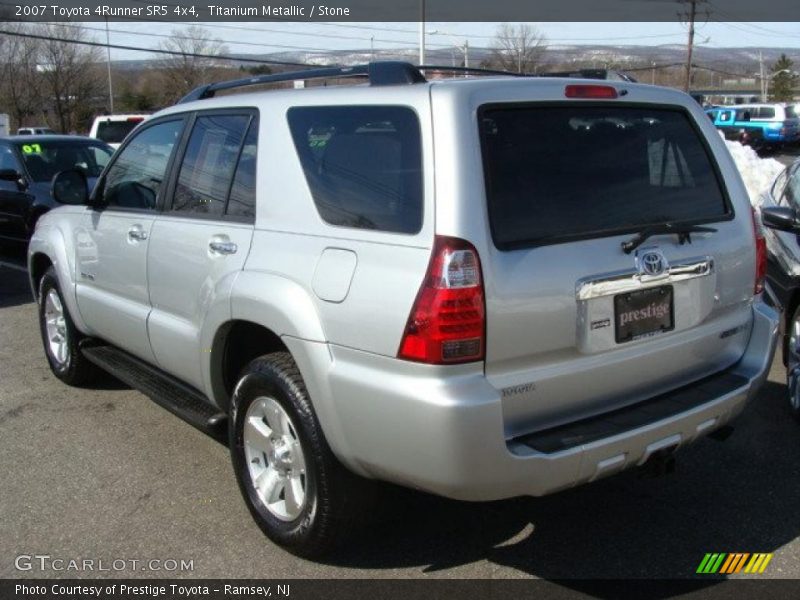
[781,218]
[10,175]
[70,187]
[15,176]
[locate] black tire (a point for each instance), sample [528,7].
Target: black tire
[75,370]
[334,497]
[792,368]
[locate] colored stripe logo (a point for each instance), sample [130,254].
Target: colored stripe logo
[723,563]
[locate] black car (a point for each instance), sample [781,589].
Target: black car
[27,166]
[780,212]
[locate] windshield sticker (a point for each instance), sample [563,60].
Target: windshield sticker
[31,149]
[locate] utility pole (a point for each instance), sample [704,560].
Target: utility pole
[690,45]
[421,32]
[762,76]
[110,87]
[690,17]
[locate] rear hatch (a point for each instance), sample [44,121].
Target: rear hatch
[577,326]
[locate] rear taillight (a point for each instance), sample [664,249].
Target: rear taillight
[447,322]
[590,91]
[761,255]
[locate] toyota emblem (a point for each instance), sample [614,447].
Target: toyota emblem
[652,263]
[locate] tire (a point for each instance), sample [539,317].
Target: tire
[303,502]
[792,354]
[60,337]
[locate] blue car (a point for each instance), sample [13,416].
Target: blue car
[744,132]
[779,124]
[27,166]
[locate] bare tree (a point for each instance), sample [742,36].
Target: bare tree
[517,48]
[20,93]
[70,75]
[194,62]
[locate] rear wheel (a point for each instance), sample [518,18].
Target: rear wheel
[295,488]
[793,363]
[60,337]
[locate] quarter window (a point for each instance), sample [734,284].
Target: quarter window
[363,164]
[208,164]
[137,175]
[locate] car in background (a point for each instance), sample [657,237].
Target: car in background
[112,129]
[27,166]
[779,123]
[780,212]
[724,120]
[35,131]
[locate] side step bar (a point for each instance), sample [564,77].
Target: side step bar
[166,391]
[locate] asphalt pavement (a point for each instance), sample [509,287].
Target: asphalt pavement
[105,474]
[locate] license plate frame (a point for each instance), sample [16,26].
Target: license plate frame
[659,301]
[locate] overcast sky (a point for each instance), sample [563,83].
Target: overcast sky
[267,37]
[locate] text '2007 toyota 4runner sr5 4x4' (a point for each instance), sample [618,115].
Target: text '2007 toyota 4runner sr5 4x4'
[478,287]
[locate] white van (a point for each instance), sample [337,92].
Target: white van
[112,129]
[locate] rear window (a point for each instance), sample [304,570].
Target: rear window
[791,112]
[559,173]
[113,132]
[363,164]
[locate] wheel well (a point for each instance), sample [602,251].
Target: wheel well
[39,265]
[235,345]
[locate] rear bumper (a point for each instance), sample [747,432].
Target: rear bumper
[409,424]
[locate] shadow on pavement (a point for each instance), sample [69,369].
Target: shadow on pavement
[734,496]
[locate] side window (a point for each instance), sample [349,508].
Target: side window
[778,185]
[791,194]
[136,177]
[242,200]
[363,164]
[100,157]
[7,159]
[208,164]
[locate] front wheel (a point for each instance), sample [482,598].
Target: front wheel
[59,334]
[793,364]
[295,488]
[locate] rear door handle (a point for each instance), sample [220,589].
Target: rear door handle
[219,247]
[137,234]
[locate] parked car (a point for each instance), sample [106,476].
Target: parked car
[35,131]
[779,123]
[112,129]
[724,120]
[566,284]
[27,166]
[780,214]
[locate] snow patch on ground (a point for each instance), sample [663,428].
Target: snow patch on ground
[758,173]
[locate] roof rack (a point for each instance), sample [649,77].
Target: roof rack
[379,73]
[387,72]
[476,70]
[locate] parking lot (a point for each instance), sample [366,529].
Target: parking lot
[106,474]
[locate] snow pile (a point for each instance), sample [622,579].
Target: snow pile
[758,173]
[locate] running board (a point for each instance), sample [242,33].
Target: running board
[166,391]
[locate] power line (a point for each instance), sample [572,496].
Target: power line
[157,51]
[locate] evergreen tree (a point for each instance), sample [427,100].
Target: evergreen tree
[784,80]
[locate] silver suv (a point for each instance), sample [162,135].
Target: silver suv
[477,287]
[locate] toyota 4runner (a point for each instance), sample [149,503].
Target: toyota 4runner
[479,287]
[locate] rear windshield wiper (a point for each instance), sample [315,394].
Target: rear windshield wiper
[682,231]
